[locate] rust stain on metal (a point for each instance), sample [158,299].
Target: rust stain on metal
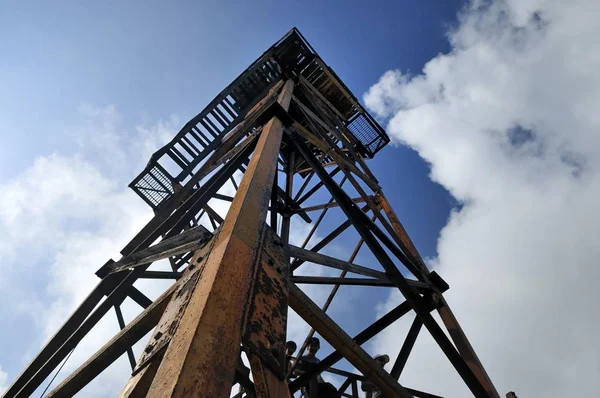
[201,357]
[266,383]
[171,317]
[266,326]
[407,245]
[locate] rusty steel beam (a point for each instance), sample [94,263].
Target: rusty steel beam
[345,385]
[361,338]
[140,298]
[121,322]
[295,208]
[242,377]
[116,347]
[204,358]
[160,275]
[304,184]
[139,384]
[328,302]
[213,214]
[329,205]
[104,287]
[345,373]
[326,280]
[267,384]
[274,207]
[406,243]
[316,187]
[333,262]
[187,241]
[407,347]
[328,147]
[225,198]
[289,188]
[227,144]
[354,389]
[326,240]
[370,233]
[317,223]
[68,343]
[343,343]
[395,245]
[265,334]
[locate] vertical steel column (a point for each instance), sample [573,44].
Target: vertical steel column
[202,356]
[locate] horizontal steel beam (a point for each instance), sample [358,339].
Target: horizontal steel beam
[332,262]
[161,275]
[328,205]
[325,280]
[187,241]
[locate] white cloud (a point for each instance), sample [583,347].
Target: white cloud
[70,214]
[3,381]
[509,122]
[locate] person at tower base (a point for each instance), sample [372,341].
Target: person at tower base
[290,348]
[368,386]
[317,387]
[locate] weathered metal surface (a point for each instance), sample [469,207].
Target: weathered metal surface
[139,384]
[235,291]
[266,382]
[334,152]
[326,240]
[329,205]
[362,337]
[343,343]
[286,213]
[406,243]
[325,280]
[316,187]
[267,312]
[333,262]
[371,234]
[328,302]
[202,355]
[189,240]
[169,322]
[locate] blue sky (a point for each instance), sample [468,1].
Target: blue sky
[121,65]
[87,91]
[152,61]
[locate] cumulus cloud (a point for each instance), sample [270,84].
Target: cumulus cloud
[508,121]
[70,214]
